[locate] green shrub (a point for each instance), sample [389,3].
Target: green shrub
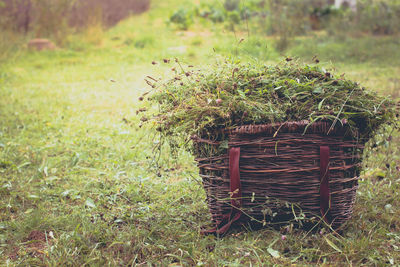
[231,5]
[232,10]
[234,17]
[182,17]
[217,16]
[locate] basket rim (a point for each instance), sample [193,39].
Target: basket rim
[339,127]
[327,128]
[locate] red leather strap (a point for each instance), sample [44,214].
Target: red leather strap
[324,180]
[234,175]
[236,195]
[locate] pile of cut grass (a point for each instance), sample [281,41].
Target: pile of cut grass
[229,94]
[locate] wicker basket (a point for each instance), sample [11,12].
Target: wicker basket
[279,172]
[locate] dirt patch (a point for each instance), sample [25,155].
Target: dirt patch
[36,244]
[41,44]
[36,240]
[36,236]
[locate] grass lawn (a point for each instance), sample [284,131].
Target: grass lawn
[78,181]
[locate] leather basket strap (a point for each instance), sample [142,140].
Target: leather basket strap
[325,200]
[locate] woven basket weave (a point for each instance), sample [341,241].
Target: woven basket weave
[280,167]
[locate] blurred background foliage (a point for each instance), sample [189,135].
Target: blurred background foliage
[283,19]
[289,18]
[57,19]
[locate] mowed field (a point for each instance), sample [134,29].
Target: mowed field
[79,181]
